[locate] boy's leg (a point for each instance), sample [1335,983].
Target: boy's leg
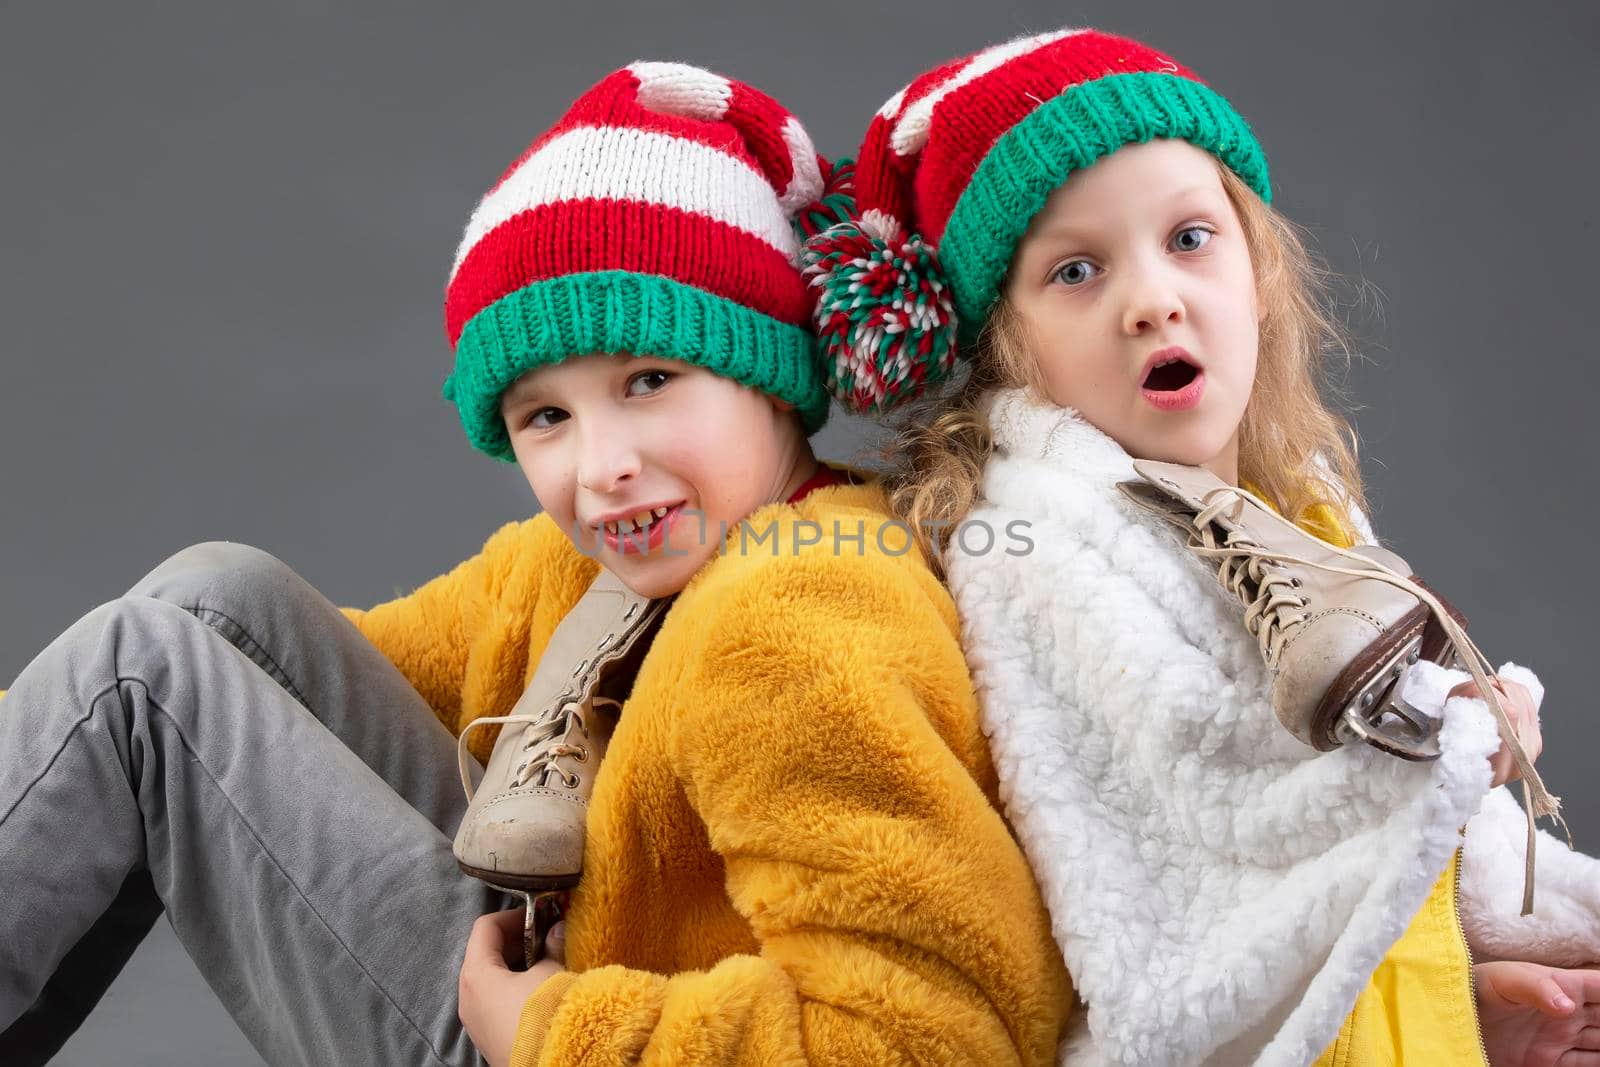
[324,909]
[83,975]
[305,644]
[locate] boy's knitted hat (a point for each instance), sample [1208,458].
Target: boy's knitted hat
[656,218]
[953,169]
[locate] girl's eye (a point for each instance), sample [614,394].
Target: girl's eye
[544,418]
[1077,272]
[646,382]
[1191,239]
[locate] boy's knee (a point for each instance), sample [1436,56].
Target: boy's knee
[215,574]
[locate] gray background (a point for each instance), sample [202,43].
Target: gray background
[224,231]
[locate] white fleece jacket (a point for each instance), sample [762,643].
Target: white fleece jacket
[1221,892]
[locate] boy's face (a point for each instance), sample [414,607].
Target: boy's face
[639,459]
[1136,293]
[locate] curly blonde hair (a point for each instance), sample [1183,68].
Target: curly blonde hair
[1295,448]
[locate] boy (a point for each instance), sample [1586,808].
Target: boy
[792,848]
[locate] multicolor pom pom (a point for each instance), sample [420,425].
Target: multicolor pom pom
[886,327]
[836,204]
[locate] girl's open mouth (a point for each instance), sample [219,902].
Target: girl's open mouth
[1174,384]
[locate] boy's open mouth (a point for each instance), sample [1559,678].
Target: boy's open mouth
[1171,375]
[640,522]
[643,532]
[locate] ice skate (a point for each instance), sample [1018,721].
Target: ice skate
[1337,640]
[524,827]
[1338,628]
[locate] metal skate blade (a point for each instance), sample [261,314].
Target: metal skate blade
[539,914]
[1390,723]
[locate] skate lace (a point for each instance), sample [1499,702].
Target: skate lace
[1274,607]
[1245,560]
[543,728]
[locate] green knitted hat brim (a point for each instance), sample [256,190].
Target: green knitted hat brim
[623,312]
[1067,133]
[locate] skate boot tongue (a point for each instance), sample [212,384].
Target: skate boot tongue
[1338,628]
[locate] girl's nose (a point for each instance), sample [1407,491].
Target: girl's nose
[1153,302]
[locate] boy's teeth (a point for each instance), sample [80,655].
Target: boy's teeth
[638,522]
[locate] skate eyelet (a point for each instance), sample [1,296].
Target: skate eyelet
[572,781]
[1295,582]
[581,755]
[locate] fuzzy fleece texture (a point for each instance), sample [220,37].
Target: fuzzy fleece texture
[1221,893]
[1564,929]
[794,851]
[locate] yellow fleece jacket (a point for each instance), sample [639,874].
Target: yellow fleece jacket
[794,849]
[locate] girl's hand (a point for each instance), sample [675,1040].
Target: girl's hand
[1533,1015]
[1524,715]
[491,993]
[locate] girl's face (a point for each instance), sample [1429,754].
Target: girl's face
[640,459]
[1135,291]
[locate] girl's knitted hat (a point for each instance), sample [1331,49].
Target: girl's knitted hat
[953,169]
[658,217]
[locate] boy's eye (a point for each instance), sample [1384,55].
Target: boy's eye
[646,382]
[1191,239]
[544,418]
[1077,272]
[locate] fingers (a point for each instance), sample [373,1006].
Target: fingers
[494,938]
[1553,1000]
[1502,767]
[555,943]
[1583,983]
[1522,713]
[1536,987]
[1528,985]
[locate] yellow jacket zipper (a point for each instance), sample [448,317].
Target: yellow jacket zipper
[1461,932]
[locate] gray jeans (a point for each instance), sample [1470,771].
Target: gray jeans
[221,742]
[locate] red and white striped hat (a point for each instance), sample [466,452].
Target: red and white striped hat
[955,166]
[657,217]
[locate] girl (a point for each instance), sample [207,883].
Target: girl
[793,850]
[1086,223]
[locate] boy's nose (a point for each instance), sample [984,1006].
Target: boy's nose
[608,457]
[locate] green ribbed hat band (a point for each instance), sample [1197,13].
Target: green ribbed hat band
[1067,133]
[623,312]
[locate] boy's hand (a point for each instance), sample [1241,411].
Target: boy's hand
[491,993]
[1524,715]
[1533,1015]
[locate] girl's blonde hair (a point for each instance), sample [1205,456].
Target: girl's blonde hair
[1295,449]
